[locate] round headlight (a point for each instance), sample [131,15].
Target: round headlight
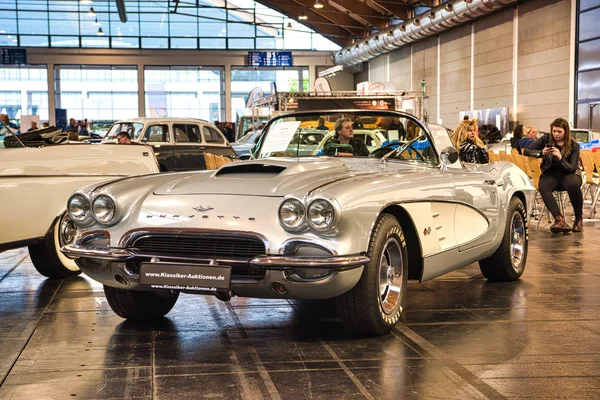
[103,209]
[78,207]
[321,214]
[291,213]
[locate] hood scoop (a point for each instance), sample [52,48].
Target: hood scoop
[264,170]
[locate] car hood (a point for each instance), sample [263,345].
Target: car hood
[268,177]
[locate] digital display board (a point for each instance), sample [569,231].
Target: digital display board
[269,58]
[13,56]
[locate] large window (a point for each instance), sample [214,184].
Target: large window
[587,96]
[243,80]
[201,24]
[24,91]
[187,92]
[106,93]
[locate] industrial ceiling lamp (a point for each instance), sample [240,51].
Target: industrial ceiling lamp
[92,13]
[85,1]
[96,23]
[100,32]
[289,26]
[318,4]
[302,16]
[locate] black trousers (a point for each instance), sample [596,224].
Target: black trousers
[571,183]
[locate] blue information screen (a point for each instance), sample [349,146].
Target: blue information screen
[13,56]
[269,58]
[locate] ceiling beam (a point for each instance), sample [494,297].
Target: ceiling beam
[397,9]
[361,12]
[321,22]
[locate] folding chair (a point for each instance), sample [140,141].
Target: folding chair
[210,161]
[591,178]
[534,164]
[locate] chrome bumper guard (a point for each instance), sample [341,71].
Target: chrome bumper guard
[269,262]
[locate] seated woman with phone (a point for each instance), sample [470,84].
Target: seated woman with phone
[560,171]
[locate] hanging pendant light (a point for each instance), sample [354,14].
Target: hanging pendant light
[302,16]
[85,1]
[96,23]
[100,32]
[318,4]
[92,13]
[289,26]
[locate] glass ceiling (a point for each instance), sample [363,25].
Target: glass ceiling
[213,24]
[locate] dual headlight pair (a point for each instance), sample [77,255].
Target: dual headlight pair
[321,214]
[102,209]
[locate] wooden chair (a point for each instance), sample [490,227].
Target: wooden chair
[210,161]
[519,162]
[591,178]
[494,156]
[536,172]
[222,160]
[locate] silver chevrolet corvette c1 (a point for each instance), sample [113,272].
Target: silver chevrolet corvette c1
[336,224]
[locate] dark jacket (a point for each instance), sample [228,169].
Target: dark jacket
[471,153]
[359,148]
[551,165]
[520,144]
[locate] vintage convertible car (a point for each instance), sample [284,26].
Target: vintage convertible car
[353,229]
[35,183]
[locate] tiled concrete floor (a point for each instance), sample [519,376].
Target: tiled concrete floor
[462,337]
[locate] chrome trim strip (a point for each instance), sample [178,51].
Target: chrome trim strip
[131,236]
[101,253]
[296,242]
[269,262]
[297,262]
[89,236]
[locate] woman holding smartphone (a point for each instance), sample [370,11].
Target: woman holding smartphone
[560,171]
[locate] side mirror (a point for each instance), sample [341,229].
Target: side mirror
[449,156]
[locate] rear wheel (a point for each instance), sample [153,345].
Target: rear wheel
[508,262]
[374,305]
[140,305]
[46,255]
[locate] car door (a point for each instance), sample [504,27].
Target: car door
[189,147]
[477,215]
[215,142]
[159,138]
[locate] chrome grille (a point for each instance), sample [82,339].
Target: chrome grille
[201,247]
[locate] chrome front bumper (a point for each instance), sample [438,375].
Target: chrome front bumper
[114,267]
[269,262]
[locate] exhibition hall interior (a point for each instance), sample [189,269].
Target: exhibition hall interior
[304,199]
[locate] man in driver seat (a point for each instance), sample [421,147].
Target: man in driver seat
[345,135]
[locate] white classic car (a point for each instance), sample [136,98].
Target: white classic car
[35,183]
[352,229]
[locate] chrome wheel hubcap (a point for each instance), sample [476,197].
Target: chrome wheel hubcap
[517,240]
[390,275]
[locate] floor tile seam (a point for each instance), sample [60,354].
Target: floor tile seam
[13,268]
[544,377]
[16,360]
[507,321]
[84,369]
[361,388]
[467,376]
[278,371]
[271,388]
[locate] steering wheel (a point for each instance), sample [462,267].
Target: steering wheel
[378,152]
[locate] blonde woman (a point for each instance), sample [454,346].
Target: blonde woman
[469,146]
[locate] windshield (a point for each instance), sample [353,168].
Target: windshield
[580,136]
[348,134]
[249,137]
[133,128]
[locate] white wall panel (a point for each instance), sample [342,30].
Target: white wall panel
[455,74]
[544,34]
[425,68]
[493,72]
[400,67]
[378,68]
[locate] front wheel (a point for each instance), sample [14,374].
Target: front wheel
[140,305]
[46,255]
[374,305]
[508,262]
